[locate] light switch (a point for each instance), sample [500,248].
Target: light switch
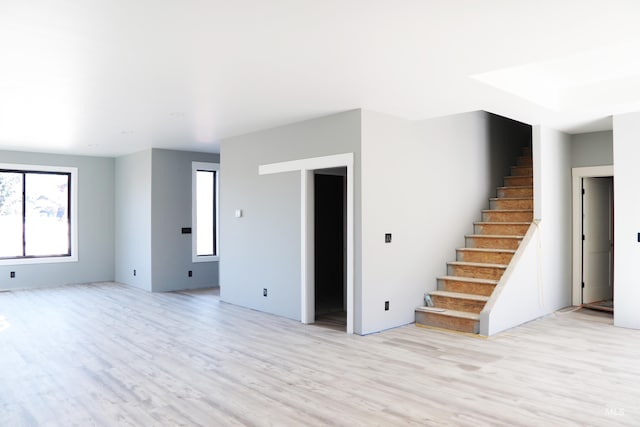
[238,213]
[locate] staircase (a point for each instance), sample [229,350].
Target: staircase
[471,279]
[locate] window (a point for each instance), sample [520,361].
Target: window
[204,179]
[37,214]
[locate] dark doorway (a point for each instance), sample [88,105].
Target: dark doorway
[330,221]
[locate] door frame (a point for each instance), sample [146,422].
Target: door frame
[576,189]
[306,167]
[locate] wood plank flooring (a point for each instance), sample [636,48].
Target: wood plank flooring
[109,355]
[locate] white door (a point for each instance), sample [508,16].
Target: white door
[597,244]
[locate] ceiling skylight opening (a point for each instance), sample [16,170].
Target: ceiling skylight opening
[577,82]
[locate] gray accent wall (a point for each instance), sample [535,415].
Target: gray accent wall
[153,204]
[170,212]
[95,225]
[262,248]
[592,149]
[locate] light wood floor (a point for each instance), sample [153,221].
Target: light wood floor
[110,355]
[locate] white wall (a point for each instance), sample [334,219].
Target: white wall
[262,249]
[518,298]
[626,151]
[133,219]
[538,281]
[554,164]
[426,183]
[95,225]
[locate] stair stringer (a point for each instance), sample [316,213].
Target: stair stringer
[518,297]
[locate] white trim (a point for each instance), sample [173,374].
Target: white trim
[73,210]
[306,167]
[334,161]
[204,166]
[576,189]
[307,256]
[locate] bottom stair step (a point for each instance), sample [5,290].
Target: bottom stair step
[461,321]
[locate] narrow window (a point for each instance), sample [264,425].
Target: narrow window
[205,211]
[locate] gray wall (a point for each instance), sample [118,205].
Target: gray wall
[426,182]
[592,149]
[95,225]
[170,211]
[153,203]
[133,219]
[262,249]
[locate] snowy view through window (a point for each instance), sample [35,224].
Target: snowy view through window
[34,214]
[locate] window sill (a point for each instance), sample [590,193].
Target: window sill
[206,258]
[42,260]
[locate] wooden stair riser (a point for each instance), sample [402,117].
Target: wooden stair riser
[521,170]
[452,285]
[518,181]
[501,229]
[514,192]
[525,161]
[459,304]
[447,322]
[479,272]
[485,257]
[502,204]
[492,242]
[506,216]
[526,151]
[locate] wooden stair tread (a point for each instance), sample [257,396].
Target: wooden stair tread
[510,198]
[469,279]
[451,313]
[515,186]
[476,264]
[460,295]
[503,222]
[493,236]
[508,210]
[488,250]
[519,176]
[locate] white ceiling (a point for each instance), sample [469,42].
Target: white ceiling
[110,77]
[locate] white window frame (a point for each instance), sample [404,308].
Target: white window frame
[73,210]
[195,167]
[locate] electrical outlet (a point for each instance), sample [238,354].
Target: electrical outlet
[386,306]
[387,238]
[190,273]
[12,275]
[264,292]
[134,272]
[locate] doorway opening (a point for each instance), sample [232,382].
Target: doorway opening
[330,247]
[593,210]
[597,243]
[306,167]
